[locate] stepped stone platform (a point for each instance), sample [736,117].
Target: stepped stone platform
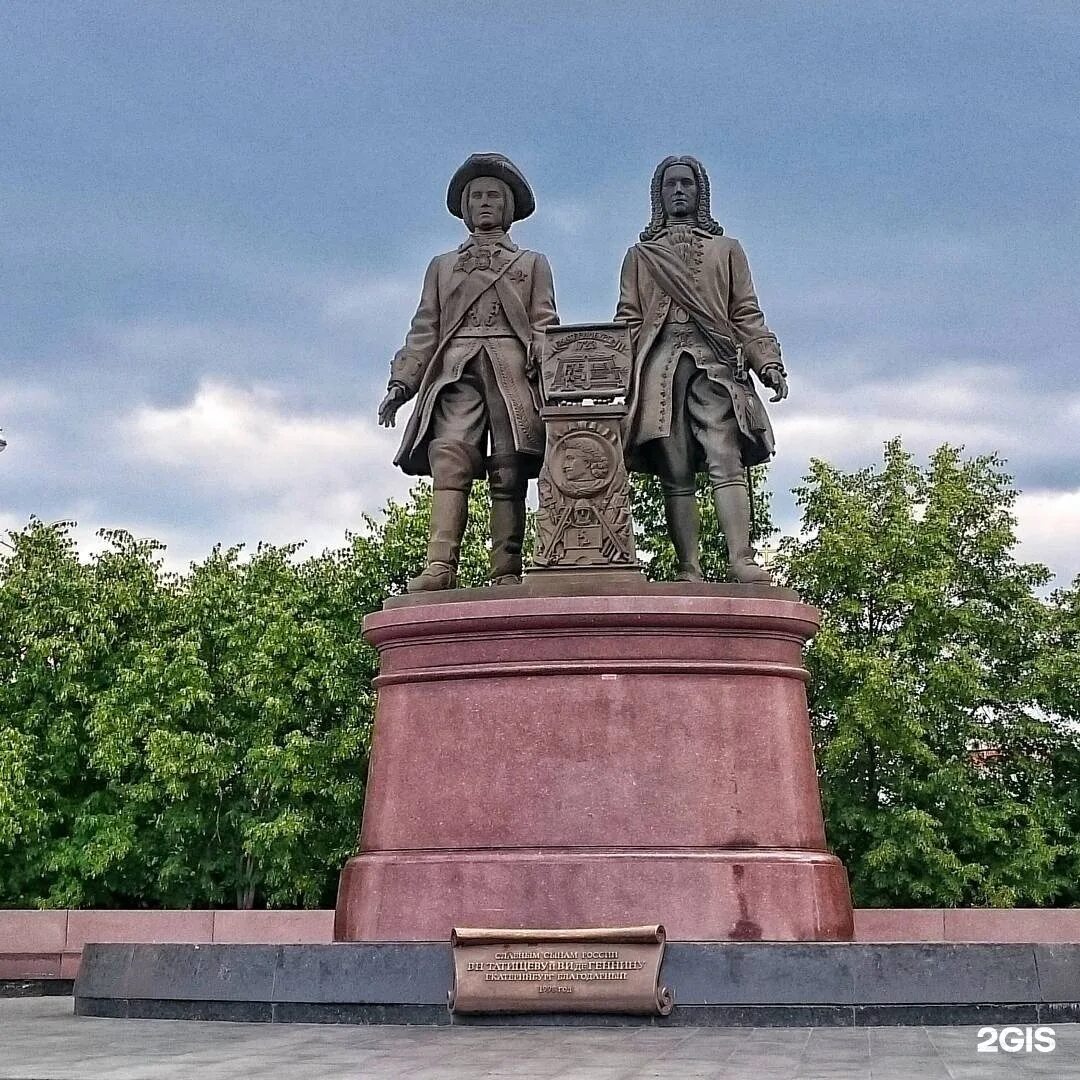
[40,951]
[756,984]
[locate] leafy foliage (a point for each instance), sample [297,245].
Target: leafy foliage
[194,740]
[929,683]
[1058,675]
[202,739]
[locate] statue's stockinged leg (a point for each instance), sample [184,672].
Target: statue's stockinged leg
[453,465]
[684,528]
[733,514]
[672,459]
[508,486]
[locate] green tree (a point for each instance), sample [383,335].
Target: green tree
[1059,693]
[201,739]
[235,743]
[68,631]
[196,739]
[932,745]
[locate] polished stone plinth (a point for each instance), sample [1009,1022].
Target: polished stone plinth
[638,757]
[729,984]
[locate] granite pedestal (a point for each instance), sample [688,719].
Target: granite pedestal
[549,759]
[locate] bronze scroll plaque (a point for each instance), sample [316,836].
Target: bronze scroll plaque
[613,970]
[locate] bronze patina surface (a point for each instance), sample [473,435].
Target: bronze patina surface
[469,360]
[605,970]
[699,341]
[583,521]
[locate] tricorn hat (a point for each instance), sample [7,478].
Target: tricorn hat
[502,168]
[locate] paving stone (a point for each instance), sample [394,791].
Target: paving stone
[41,1039]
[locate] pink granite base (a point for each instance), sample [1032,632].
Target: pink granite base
[34,946]
[594,760]
[43,945]
[697,895]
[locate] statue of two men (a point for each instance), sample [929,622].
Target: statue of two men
[471,359]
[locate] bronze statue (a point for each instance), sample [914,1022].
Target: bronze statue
[583,521]
[698,332]
[470,359]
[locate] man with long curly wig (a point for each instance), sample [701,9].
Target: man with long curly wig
[698,333]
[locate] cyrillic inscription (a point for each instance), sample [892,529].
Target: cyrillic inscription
[493,975]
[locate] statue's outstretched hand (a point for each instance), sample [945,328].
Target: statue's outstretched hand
[773,377]
[388,407]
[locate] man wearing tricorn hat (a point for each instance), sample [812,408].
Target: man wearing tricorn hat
[698,332]
[470,359]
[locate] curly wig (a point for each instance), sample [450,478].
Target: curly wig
[702,218]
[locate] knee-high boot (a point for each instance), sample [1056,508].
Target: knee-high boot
[453,466]
[733,513]
[507,536]
[449,514]
[684,528]
[508,484]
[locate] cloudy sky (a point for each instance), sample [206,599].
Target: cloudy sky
[216,217]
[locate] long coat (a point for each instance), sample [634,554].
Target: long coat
[434,354]
[719,278]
